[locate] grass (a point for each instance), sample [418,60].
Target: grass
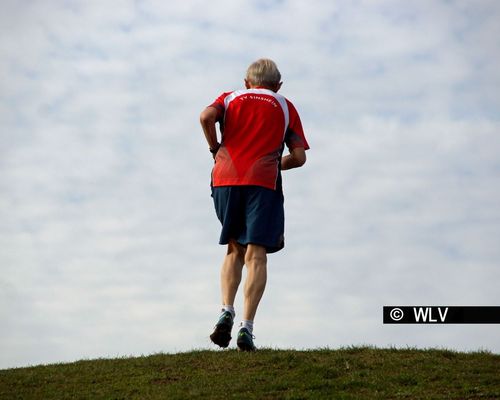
[347,373]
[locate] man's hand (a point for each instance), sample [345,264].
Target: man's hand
[214,150]
[295,159]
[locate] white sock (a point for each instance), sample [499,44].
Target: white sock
[228,308]
[247,324]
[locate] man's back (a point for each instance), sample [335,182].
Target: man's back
[255,124]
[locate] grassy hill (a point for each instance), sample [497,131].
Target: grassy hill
[348,373]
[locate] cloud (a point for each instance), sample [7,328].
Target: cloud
[107,231]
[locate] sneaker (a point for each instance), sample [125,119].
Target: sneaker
[222,333]
[245,340]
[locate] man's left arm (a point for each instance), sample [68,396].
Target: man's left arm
[208,118]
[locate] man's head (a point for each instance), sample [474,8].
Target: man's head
[263,73]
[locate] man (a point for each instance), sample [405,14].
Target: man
[255,126]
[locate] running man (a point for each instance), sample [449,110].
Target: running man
[255,124]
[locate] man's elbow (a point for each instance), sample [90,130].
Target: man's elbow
[302,160]
[300,157]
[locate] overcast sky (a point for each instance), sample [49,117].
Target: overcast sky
[108,237]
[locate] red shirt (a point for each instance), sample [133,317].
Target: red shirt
[255,126]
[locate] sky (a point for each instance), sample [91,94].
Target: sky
[108,236]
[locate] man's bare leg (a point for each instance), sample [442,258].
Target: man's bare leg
[230,276]
[255,283]
[230,280]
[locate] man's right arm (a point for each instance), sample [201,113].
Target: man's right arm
[296,159]
[208,118]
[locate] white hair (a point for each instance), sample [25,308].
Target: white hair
[263,72]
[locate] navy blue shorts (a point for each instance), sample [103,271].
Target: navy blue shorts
[251,214]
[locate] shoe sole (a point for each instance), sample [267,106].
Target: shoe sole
[244,346]
[221,336]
